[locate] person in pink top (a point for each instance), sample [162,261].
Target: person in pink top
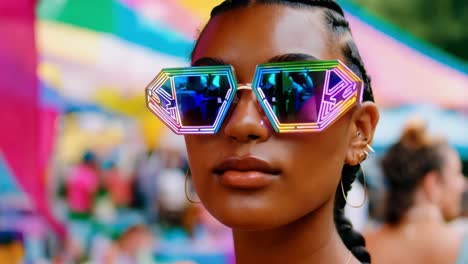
[82,185]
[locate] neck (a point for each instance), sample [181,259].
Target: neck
[310,239]
[424,213]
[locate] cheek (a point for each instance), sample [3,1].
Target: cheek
[312,182]
[314,164]
[202,151]
[452,194]
[455,187]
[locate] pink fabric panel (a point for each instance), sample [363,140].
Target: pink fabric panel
[402,75]
[19,111]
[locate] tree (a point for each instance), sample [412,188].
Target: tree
[443,23]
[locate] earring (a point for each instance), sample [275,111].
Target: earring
[365,190]
[185,188]
[370,148]
[364,155]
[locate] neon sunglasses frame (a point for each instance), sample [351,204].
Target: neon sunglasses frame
[331,109]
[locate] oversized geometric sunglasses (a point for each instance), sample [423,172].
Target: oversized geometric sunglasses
[304,96]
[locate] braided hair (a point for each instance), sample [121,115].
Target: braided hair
[340,33]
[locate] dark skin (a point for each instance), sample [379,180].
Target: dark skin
[293,215]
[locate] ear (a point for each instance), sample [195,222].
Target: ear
[431,187]
[361,132]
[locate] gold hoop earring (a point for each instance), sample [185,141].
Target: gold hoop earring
[365,191]
[185,188]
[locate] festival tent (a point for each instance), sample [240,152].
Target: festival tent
[131,40]
[138,37]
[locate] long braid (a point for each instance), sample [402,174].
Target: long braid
[339,27]
[353,240]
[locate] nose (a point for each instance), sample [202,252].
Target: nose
[246,123]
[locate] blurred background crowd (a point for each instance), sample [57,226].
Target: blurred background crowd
[89,175]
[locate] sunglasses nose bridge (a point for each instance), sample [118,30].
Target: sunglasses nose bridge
[244,86]
[248,86]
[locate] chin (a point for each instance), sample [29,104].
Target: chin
[249,225]
[452,214]
[248,220]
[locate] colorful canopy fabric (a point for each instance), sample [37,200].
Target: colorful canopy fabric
[22,149]
[138,37]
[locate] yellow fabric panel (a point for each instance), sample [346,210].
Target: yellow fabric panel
[200,8]
[67,42]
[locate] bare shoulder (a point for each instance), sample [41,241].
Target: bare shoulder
[375,237]
[434,245]
[375,234]
[444,244]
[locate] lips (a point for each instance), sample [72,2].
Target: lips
[249,163]
[246,173]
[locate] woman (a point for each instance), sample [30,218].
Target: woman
[425,186]
[280,193]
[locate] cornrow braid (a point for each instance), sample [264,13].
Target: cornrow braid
[340,30]
[329,4]
[228,5]
[232,4]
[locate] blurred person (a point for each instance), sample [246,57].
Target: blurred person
[168,159]
[133,246]
[425,185]
[118,185]
[170,200]
[283,194]
[172,204]
[82,186]
[144,186]
[12,250]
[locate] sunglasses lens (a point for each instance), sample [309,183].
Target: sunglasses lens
[294,97]
[200,98]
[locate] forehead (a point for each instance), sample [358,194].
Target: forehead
[245,37]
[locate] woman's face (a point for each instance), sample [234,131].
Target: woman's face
[248,176]
[453,185]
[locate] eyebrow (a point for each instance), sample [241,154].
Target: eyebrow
[290,57]
[209,61]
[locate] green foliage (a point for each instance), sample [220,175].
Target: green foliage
[443,23]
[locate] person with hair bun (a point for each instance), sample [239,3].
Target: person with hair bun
[277,112]
[425,187]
